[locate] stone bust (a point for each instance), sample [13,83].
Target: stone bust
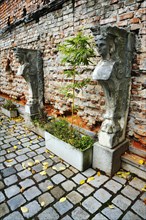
[113,73]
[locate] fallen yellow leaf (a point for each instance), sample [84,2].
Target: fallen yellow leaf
[43,173]
[54,168]
[111,206]
[47,151]
[22,190]
[9,161]
[98,173]
[144,188]
[37,161]
[15,147]
[61,168]
[142,162]
[45,163]
[90,179]
[30,163]
[24,209]
[23,165]
[49,187]
[62,199]
[82,182]
[42,203]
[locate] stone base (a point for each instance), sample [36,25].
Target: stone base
[108,160]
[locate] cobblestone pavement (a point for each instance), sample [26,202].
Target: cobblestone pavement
[23,184]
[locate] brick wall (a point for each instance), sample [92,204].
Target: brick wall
[52,28]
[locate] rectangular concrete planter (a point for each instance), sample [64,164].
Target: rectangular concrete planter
[9,113]
[81,160]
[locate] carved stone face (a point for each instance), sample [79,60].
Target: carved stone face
[19,55]
[103,47]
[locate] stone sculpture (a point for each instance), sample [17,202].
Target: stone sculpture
[31,68]
[115,46]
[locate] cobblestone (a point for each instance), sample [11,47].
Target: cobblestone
[91,204]
[33,208]
[14,216]
[63,207]
[25,186]
[32,193]
[12,191]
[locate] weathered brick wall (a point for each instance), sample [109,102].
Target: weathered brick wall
[53,28]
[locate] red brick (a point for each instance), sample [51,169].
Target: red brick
[126,16]
[122,23]
[135,20]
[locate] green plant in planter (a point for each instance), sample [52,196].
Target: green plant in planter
[9,105]
[76,51]
[62,130]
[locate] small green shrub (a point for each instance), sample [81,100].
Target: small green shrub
[8,104]
[64,131]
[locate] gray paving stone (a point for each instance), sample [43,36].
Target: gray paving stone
[18,167]
[21,158]
[12,191]
[24,140]
[122,202]
[40,150]
[67,218]
[57,192]
[38,168]
[38,177]
[89,172]
[74,197]
[9,164]
[2,197]
[27,183]
[113,186]
[32,193]
[48,214]
[31,154]
[8,171]
[140,208]
[143,196]
[63,207]
[50,172]
[10,155]
[102,195]
[137,183]
[5,146]
[39,157]
[43,186]
[112,214]
[79,213]
[16,202]
[1,185]
[42,143]
[68,185]
[78,178]
[24,174]
[67,173]
[2,159]
[130,192]
[130,216]
[58,178]
[10,180]
[3,210]
[98,181]
[2,167]
[46,198]
[33,208]
[85,189]
[119,179]
[23,151]
[99,216]
[34,146]
[91,204]
[14,216]
[2,152]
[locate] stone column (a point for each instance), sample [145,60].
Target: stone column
[31,68]
[115,46]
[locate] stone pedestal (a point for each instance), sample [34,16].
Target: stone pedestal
[107,159]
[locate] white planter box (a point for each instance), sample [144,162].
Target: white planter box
[79,159]
[10,114]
